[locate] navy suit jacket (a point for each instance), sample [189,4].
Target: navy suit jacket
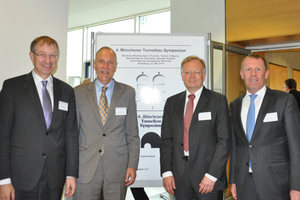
[26,145]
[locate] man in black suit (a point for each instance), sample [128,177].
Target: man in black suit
[265,156]
[38,131]
[290,86]
[193,157]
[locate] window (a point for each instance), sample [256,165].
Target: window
[124,26]
[77,54]
[74,56]
[155,23]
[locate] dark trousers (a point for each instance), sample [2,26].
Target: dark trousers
[250,190]
[41,191]
[190,192]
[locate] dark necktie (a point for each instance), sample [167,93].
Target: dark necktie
[103,105]
[187,121]
[250,124]
[47,106]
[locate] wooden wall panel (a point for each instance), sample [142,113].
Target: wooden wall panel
[256,19]
[296,76]
[277,76]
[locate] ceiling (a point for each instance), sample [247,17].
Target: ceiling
[85,12]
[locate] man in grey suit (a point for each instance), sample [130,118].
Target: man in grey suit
[38,131]
[193,157]
[265,156]
[108,139]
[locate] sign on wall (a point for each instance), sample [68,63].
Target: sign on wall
[150,63]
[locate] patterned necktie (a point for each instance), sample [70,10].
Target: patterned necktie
[103,105]
[47,106]
[187,121]
[250,124]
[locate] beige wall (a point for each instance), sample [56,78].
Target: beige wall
[22,21]
[199,16]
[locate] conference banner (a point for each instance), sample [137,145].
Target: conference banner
[150,63]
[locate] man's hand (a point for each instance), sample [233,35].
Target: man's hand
[70,186]
[233,191]
[7,192]
[295,195]
[130,176]
[206,185]
[169,184]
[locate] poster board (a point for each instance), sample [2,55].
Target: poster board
[150,63]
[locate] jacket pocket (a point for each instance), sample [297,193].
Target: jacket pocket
[280,166]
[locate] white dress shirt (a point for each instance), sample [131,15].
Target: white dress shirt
[246,104]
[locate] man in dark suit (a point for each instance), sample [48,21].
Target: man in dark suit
[108,133]
[265,156]
[193,157]
[290,86]
[38,131]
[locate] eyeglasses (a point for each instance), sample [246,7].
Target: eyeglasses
[110,62]
[52,56]
[196,73]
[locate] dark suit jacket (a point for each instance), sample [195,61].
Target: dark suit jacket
[25,140]
[274,148]
[209,139]
[297,96]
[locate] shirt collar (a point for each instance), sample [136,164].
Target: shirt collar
[38,79]
[99,85]
[197,93]
[260,93]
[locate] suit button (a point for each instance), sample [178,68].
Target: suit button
[250,146]
[100,150]
[47,133]
[181,144]
[44,155]
[104,135]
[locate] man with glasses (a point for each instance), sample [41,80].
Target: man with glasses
[108,133]
[38,130]
[195,138]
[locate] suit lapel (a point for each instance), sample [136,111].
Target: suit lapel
[238,118]
[57,95]
[31,90]
[201,104]
[266,104]
[116,96]
[92,97]
[179,115]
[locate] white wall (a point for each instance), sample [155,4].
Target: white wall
[84,12]
[199,16]
[20,23]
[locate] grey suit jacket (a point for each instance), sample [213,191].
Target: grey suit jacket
[209,139]
[274,148]
[26,145]
[119,136]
